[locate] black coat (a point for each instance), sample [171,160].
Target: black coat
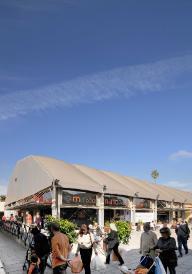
[112,239]
[41,245]
[168,248]
[183,231]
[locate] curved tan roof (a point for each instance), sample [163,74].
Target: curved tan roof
[35,173]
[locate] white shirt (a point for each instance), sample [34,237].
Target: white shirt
[85,241]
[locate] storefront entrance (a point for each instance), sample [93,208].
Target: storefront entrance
[117,214]
[79,216]
[163,216]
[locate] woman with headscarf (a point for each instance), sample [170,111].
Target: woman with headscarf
[113,244]
[166,247]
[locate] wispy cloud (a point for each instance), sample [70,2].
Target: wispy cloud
[120,82]
[181,154]
[179,184]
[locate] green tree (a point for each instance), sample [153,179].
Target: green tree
[66,227]
[124,231]
[155,175]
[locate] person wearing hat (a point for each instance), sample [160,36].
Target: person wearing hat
[166,247]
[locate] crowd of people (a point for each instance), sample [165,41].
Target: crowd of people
[92,237]
[88,239]
[165,247]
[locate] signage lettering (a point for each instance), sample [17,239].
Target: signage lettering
[116,201]
[78,198]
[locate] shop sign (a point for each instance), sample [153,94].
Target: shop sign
[116,201]
[78,198]
[142,203]
[45,199]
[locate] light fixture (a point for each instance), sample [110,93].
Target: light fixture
[104,188]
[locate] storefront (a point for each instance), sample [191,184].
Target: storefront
[144,210]
[83,207]
[82,194]
[40,203]
[117,208]
[164,211]
[79,207]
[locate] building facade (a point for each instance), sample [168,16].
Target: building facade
[84,195]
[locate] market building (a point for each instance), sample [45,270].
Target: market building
[83,194]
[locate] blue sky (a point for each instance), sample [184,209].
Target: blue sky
[102,83]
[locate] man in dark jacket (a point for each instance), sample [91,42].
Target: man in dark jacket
[113,244]
[41,247]
[183,234]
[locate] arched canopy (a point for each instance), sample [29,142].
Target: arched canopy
[36,173]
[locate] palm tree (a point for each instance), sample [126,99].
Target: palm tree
[2,198]
[155,175]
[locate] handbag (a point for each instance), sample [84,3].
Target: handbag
[76,265]
[98,262]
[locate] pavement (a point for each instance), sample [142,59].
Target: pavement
[12,255]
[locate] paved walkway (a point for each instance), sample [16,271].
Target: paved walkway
[12,255]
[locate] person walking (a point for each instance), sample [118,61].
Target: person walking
[166,247]
[41,247]
[148,241]
[113,244]
[60,249]
[183,234]
[85,246]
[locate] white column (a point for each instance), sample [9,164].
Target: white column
[59,203]
[132,212]
[155,210]
[100,204]
[54,201]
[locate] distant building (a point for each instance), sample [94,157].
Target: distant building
[83,194]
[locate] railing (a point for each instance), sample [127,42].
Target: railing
[22,232]
[19,230]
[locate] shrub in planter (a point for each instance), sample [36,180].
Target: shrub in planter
[66,227]
[124,231]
